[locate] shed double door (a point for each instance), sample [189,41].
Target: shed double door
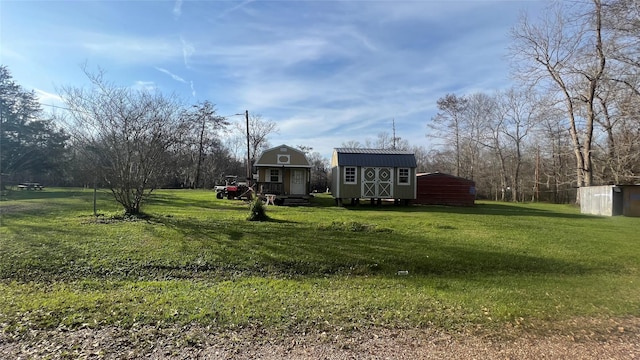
[377,182]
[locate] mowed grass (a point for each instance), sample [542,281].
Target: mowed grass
[318,268]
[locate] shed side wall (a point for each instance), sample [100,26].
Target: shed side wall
[596,200]
[445,190]
[405,191]
[350,191]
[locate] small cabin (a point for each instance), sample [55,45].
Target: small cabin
[373,174]
[285,172]
[443,189]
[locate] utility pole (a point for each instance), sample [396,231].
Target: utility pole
[246,115]
[394,133]
[394,138]
[200,148]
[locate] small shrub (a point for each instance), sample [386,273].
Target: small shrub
[257,211]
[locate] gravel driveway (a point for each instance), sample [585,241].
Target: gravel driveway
[618,339]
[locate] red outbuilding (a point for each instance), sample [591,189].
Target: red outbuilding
[444,189]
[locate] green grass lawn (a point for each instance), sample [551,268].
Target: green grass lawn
[197,260]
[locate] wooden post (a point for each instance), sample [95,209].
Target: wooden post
[246,115]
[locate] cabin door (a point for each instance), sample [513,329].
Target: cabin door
[377,182]
[298,182]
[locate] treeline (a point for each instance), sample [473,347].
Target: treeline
[571,119]
[108,135]
[31,147]
[131,141]
[574,119]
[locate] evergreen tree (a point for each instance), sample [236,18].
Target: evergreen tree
[31,148]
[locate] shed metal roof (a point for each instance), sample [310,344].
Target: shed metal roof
[375,157]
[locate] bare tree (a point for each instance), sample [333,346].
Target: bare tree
[493,140]
[554,154]
[618,153]
[352,144]
[619,115]
[620,21]
[480,110]
[448,125]
[259,131]
[126,133]
[319,171]
[422,159]
[519,112]
[566,51]
[384,141]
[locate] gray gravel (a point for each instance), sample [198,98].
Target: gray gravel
[576,339]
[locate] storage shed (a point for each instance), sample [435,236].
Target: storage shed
[373,174]
[610,200]
[444,189]
[284,172]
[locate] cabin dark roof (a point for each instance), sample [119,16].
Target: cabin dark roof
[375,157]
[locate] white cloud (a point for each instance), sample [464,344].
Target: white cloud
[47,97]
[177,8]
[173,76]
[187,51]
[144,85]
[130,49]
[234,8]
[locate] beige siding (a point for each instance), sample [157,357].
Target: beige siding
[334,160]
[348,191]
[283,155]
[405,191]
[335,185]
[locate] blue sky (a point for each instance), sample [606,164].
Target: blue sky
[325,71]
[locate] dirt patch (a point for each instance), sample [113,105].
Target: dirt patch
[19,208]
[8,209]
[622,341]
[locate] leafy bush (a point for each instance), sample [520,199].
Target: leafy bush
[257,211]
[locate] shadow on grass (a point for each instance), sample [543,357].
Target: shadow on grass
[184,202]
[17,195]
[321,259]
[365,253]
[479,209]
[215,230]
[228,248]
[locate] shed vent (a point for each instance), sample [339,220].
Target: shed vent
[284,159]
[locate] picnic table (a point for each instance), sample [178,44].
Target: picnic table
[30,186]
[270,199]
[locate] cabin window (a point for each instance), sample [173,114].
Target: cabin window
[403,176]
[350,175]
[274,175]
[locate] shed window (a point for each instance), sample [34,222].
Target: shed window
[403,176]
[274,175]
[349,175]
